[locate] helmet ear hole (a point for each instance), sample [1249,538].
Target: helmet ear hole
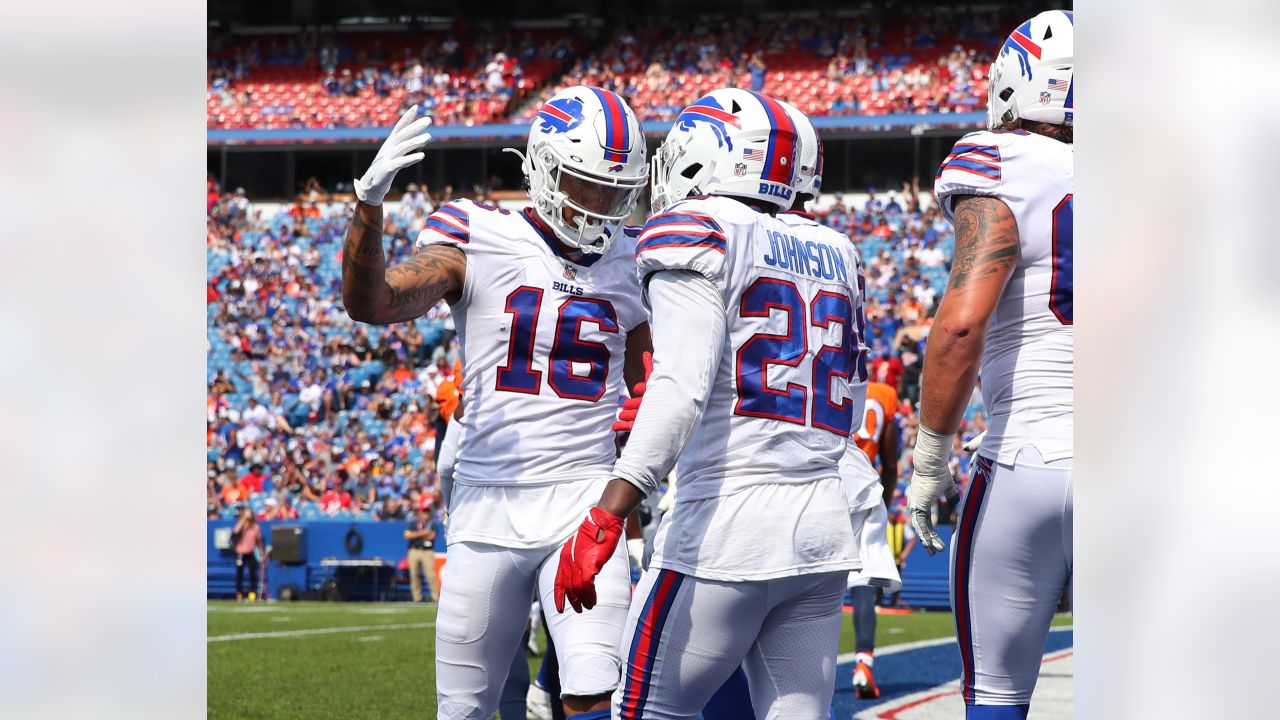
[689,172]
[1006,94]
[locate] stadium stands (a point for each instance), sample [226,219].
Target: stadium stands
[368,79]
[922,61]
[336,416]
[823,65]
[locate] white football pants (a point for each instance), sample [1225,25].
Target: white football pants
[484,605]
[1010,562]
[685,636]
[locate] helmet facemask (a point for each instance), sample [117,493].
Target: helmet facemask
[675,177]
[1000,110]
[597,205]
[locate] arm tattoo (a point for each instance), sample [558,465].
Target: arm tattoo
[373,293]
[364,238]
[426,296]
[363,275]
[986,239]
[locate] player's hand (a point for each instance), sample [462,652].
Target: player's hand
[667,501]
[631,406]
[635,551]
[395,154]
[582,558]
[975,442]
[930,481]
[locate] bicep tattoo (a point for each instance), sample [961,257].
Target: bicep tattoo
[986,240]
[420,282]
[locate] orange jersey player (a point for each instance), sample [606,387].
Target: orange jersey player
[878,436]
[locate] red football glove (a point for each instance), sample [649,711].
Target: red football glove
[583,556]
[631,406]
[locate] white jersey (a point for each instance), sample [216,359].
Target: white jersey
[760,470]
[1026,373]
[861,481]
[542,340]
[859,477]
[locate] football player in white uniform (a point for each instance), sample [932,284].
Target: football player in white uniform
[755,349]
[863,486]
[1007,313]
[547,306]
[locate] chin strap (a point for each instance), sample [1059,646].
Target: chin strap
[524,167]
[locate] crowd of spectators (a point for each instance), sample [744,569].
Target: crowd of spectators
[310,414]
[346,80]
[906,246]
[872,62]
[913,61]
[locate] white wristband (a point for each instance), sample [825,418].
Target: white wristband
[931,452]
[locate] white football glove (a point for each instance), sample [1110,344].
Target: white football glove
[975,442]
[394,155]
[930,481]
[668,499]
[635,550]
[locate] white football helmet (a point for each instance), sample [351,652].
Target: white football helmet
[808,180]
[1031,77]
[730,142]
[586,155]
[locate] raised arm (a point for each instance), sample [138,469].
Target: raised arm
[371,292]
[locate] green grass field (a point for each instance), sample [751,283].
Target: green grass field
[375,660]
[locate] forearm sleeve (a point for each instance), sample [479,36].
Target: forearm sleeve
[687,319]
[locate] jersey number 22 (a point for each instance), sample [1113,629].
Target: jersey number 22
[762,350]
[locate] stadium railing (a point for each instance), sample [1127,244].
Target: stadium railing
[512,131]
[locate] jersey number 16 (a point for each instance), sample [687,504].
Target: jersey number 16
[567,349]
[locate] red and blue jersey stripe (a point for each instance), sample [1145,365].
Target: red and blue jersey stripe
[780,156]
[961,573]
[681,229]
[450,221]
[617,131]
[981,160]
[644,643]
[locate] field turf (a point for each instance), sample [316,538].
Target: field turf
[374,660]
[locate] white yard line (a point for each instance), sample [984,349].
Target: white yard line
[903,647]
[843,658]
[1052,700]
[318,631]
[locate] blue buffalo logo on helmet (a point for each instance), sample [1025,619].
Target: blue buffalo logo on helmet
[1020,43]
[709,111]
[560,115]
